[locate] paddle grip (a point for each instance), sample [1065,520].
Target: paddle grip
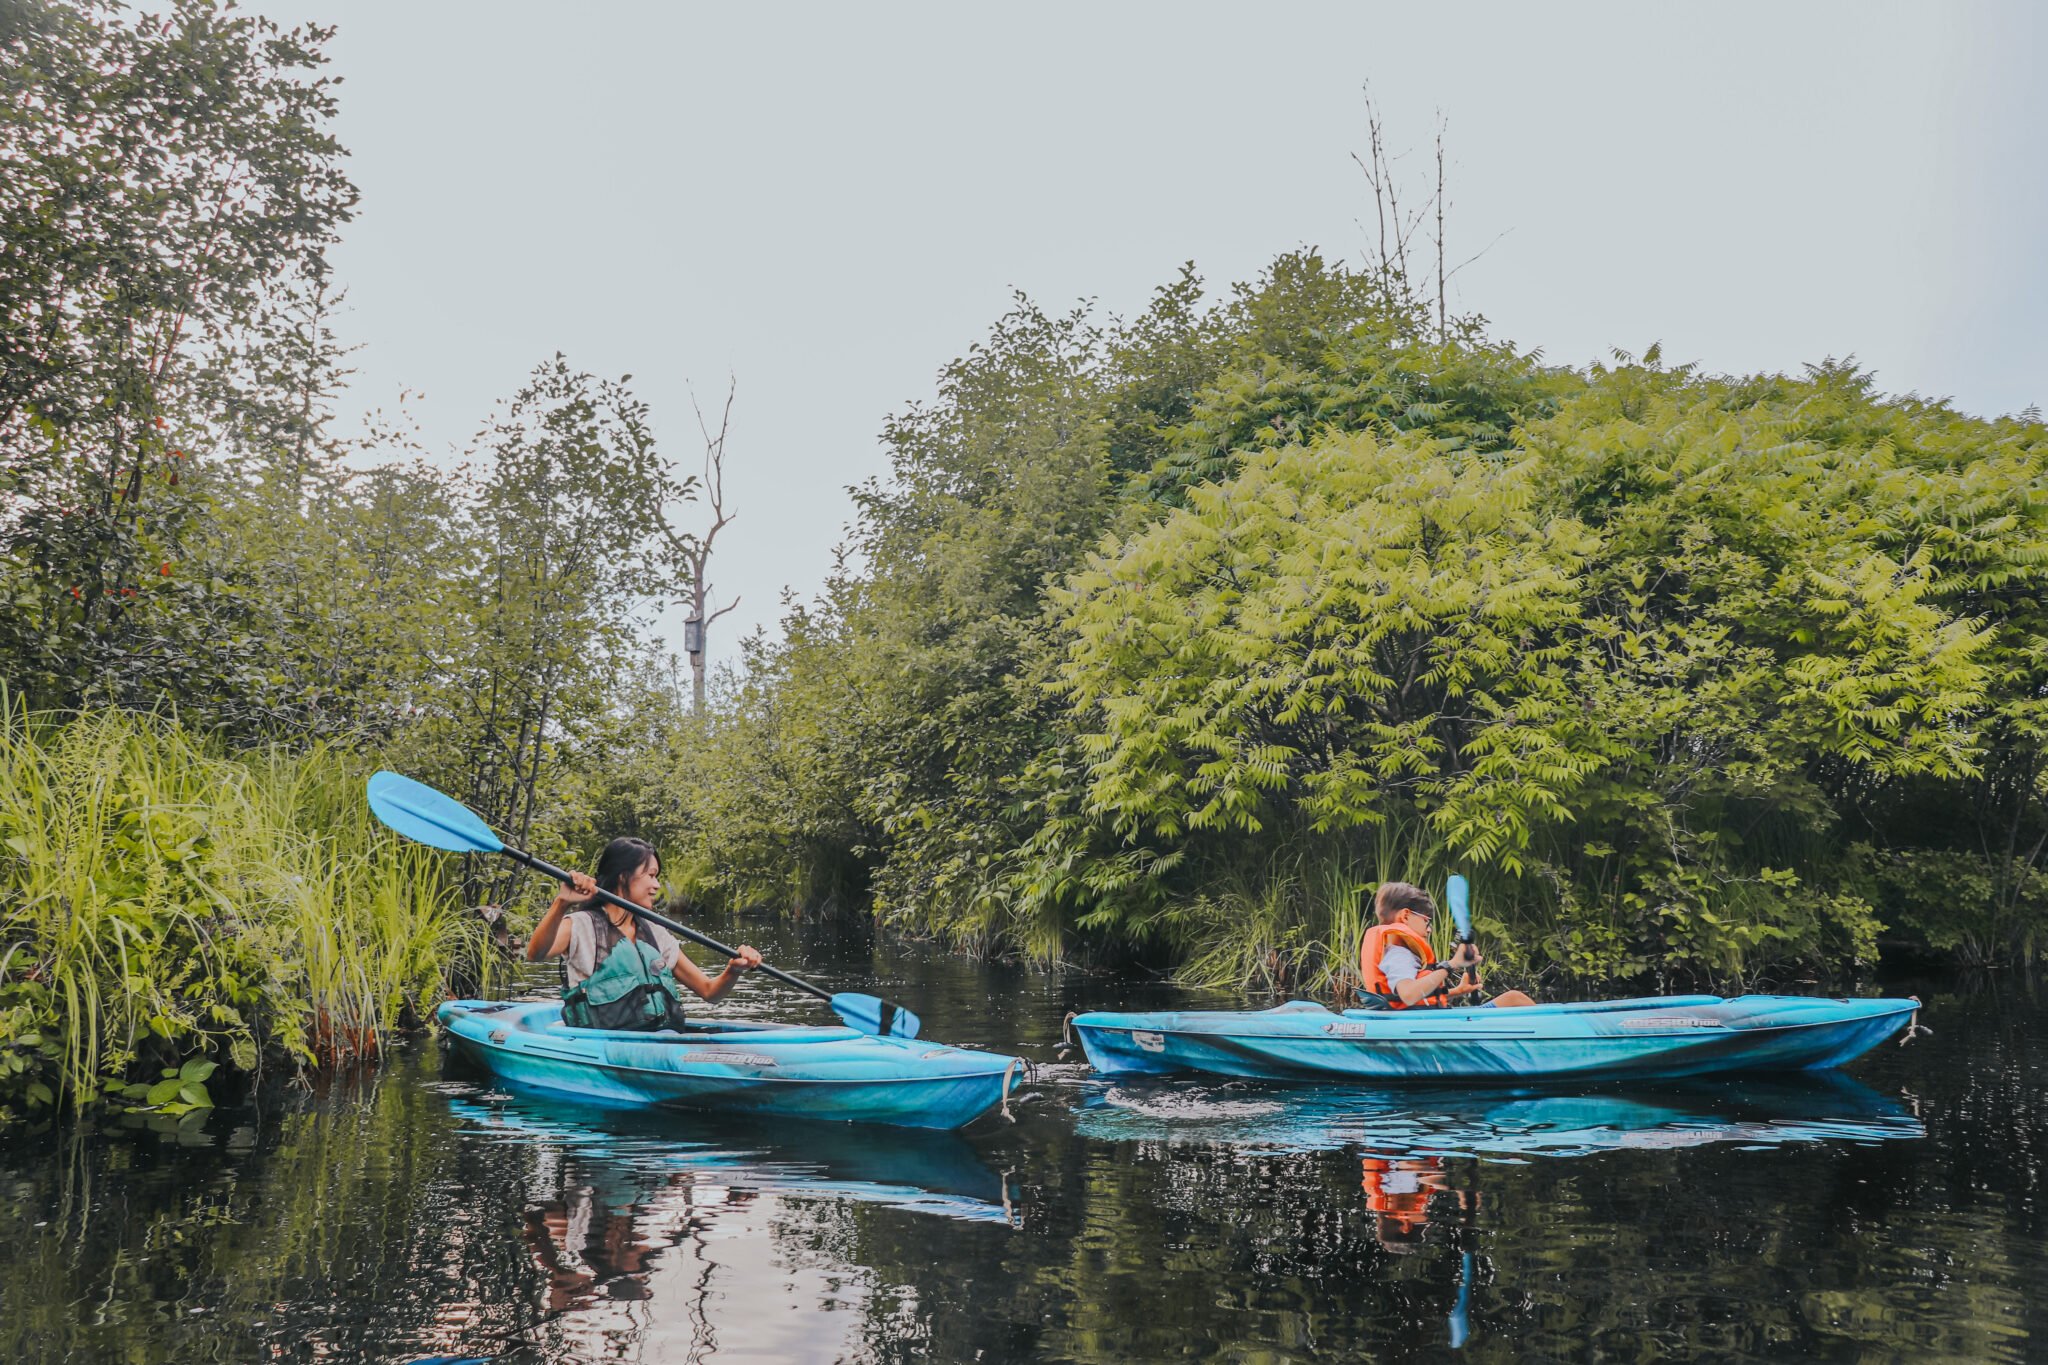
[702,940]
[1471,973]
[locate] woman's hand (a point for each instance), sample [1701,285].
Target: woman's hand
[744,959]
[550,938]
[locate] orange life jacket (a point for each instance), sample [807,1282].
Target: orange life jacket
[1373,947]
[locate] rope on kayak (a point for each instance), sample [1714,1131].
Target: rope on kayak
[1914,1028]
[1008,1072]
[1066,1035]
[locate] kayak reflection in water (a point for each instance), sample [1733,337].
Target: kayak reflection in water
[1398,1190]
[615,966]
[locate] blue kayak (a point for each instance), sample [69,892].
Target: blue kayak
[1663,1036]
[737,1066]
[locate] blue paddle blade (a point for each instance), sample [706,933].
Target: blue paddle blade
[1459,897]
[1461,1311]
[419,812]
[872,1015]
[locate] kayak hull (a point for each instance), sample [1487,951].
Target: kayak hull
[737,1066]
[1648,1038]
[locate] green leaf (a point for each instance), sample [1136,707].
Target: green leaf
[197,1069]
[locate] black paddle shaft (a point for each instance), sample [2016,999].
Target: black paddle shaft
[703,940]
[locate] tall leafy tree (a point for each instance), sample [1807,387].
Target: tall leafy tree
[162,176]
[562,549]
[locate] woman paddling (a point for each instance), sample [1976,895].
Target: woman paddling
[616,967]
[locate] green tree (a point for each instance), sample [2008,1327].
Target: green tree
[163,177]
[561,546]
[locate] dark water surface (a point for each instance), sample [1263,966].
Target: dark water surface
[1894,1213]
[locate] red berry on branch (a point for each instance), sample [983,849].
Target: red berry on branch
[165,571]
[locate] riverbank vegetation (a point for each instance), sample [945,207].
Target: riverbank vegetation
[1173,634]
[1165,636]
[222,612]
[171,909]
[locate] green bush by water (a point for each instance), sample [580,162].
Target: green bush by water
[1164,629]
[163,907]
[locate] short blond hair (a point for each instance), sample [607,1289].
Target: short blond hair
[1394,897]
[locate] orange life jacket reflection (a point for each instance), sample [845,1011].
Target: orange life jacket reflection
[1373,948]
[1406,1205]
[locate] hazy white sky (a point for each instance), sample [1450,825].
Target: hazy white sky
[831,201]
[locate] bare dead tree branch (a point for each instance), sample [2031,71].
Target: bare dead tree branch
[1442,322]
[1395,229]
[694,551]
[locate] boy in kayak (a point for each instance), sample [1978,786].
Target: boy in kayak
[1397,963]
[615,966]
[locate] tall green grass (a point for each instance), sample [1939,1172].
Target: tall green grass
[160,902]
[1292,922]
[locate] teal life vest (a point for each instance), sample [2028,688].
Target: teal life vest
[628,991]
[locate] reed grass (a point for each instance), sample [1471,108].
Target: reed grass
[1291,922]
[162,902]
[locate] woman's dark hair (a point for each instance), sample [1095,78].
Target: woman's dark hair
[620,860]
[1394,897]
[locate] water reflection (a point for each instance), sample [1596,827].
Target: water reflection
[636,1157]
[408,1212]
[1419,1152]
[652,1232]
[1399,1192]
[1759,1112]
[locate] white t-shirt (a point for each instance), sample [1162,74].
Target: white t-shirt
[581,959]
[1400,964]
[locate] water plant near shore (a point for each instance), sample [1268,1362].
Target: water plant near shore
[164,906]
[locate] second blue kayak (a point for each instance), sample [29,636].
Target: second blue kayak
[1682,1035]
[737,1066]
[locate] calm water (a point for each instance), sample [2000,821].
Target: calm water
[418,1211]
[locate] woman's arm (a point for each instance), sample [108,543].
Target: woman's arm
[710,987]
[550,938]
